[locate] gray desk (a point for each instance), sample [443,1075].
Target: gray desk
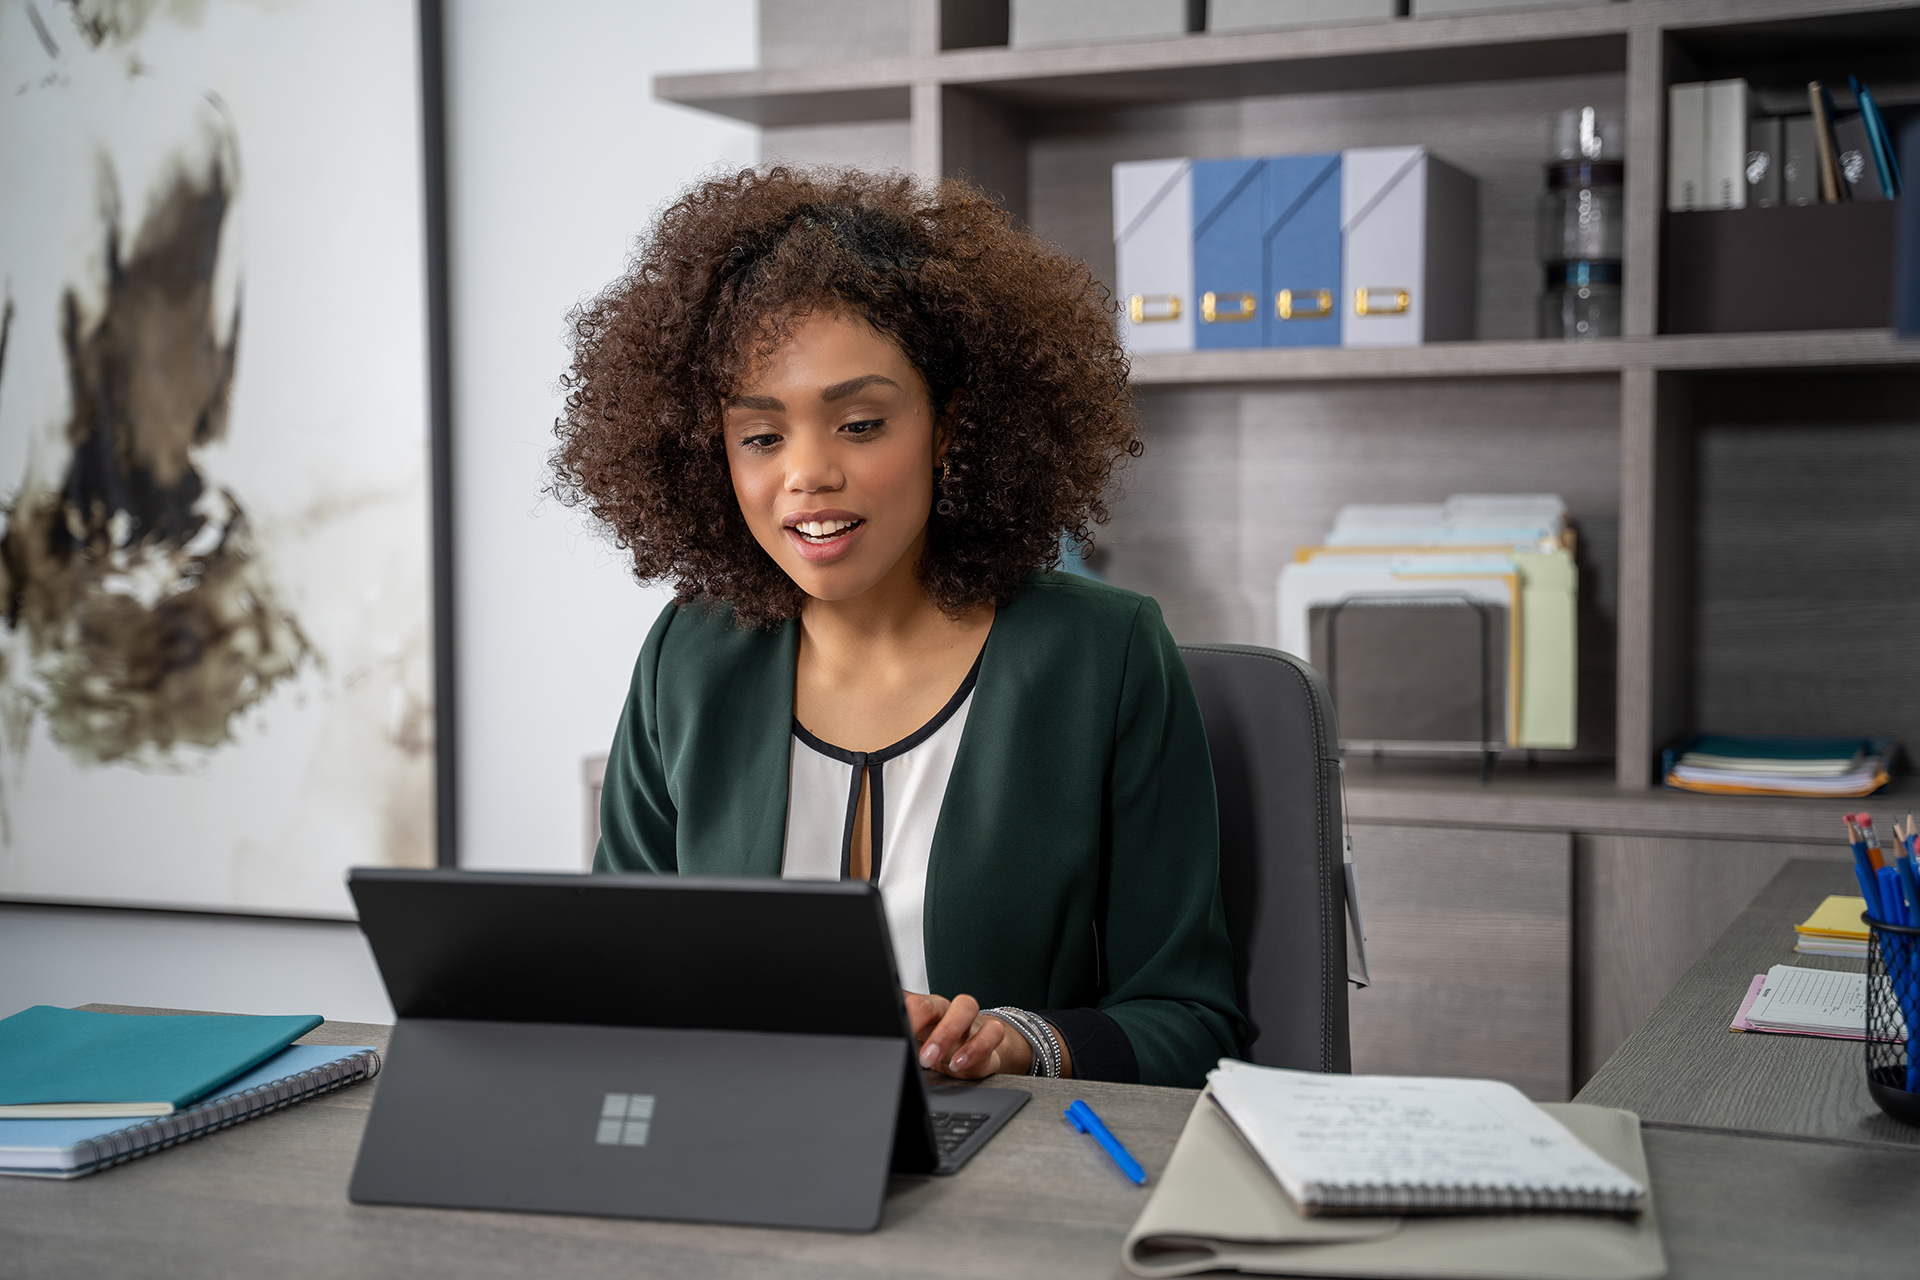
[1772,1137]
[269,1198]
[1683,1068]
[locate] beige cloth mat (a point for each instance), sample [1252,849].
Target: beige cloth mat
[1218,1208]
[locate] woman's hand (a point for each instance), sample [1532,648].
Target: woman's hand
[956,1039]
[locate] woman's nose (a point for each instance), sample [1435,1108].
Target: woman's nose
[811,467]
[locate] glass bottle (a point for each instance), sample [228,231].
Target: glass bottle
[1583,211]
[1581,226]
[1582,301]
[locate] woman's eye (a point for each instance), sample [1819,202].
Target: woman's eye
[865,427]
[760,442]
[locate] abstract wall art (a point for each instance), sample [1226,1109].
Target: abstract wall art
[216,556]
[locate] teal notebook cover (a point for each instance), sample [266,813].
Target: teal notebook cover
[72,1055]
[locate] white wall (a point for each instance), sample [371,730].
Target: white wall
[167,960]
[557,157]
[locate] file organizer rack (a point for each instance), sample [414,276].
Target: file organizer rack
[1487,744]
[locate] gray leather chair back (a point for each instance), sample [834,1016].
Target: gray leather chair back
[1276,768]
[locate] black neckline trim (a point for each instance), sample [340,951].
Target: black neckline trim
[906,744]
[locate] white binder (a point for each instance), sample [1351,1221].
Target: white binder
[1153,253]
[1408,226]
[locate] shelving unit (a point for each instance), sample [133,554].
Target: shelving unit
[1674,452]
[1701,353]
[1040,127]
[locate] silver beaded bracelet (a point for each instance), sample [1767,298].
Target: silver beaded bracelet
[1048,1054]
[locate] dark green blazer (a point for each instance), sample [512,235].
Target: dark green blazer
[1075,864]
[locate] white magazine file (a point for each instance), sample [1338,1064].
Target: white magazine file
[1153,253]
[1409,248]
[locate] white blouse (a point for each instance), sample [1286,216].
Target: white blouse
[907,782]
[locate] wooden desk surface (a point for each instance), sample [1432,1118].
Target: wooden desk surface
[268,1198]
[1684,1068]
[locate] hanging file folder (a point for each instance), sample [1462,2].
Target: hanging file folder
[1301,251]
[1153,253]
[1229,215]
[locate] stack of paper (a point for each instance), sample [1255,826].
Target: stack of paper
[1806,1002]
[1834,929]
[1756,764]
[1510,552]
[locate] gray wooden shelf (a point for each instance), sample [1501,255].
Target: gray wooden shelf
[1677,353]
[1551,41]
[1586,798]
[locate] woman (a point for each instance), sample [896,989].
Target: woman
[849,419]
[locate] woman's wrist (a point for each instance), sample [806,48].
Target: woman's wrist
[1046,1050]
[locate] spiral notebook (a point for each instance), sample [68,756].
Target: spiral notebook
[74,1148]
[1217,1207]
[1413,1144]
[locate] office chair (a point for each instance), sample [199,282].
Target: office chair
[1276,768]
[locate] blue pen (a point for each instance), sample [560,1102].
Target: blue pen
[1081,1117]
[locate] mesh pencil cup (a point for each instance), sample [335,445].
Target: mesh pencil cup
[1893,1018]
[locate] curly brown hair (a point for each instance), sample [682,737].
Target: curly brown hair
[978,306]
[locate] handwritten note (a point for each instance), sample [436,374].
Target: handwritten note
[1812,1001]
[1323,1135]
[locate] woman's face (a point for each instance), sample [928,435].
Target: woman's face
[832,444]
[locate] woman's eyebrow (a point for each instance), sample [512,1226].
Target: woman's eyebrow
[765,404]
[841,390]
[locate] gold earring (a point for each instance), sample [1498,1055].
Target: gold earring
[946,473]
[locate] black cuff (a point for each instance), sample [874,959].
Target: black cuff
[1101,1050]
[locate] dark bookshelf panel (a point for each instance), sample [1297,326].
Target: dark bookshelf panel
[1806,556]
[1778,58]
[1817,266]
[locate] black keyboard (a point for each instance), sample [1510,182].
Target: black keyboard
[951,1128]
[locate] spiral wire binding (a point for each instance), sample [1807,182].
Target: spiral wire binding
[162,1132]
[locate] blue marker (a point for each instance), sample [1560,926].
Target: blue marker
[1081,1117]
[1890,903]
[1911,883]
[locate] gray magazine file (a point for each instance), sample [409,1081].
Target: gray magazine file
[712,1050]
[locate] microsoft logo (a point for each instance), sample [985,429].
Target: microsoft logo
[625,1119]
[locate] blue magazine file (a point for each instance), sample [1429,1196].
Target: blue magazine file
[1229,215]
[1300,305]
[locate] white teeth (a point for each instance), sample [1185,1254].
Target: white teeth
[823,528]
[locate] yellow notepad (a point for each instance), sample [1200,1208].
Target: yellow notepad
[1837,917]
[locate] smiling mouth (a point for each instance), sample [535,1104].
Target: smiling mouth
[821,532]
